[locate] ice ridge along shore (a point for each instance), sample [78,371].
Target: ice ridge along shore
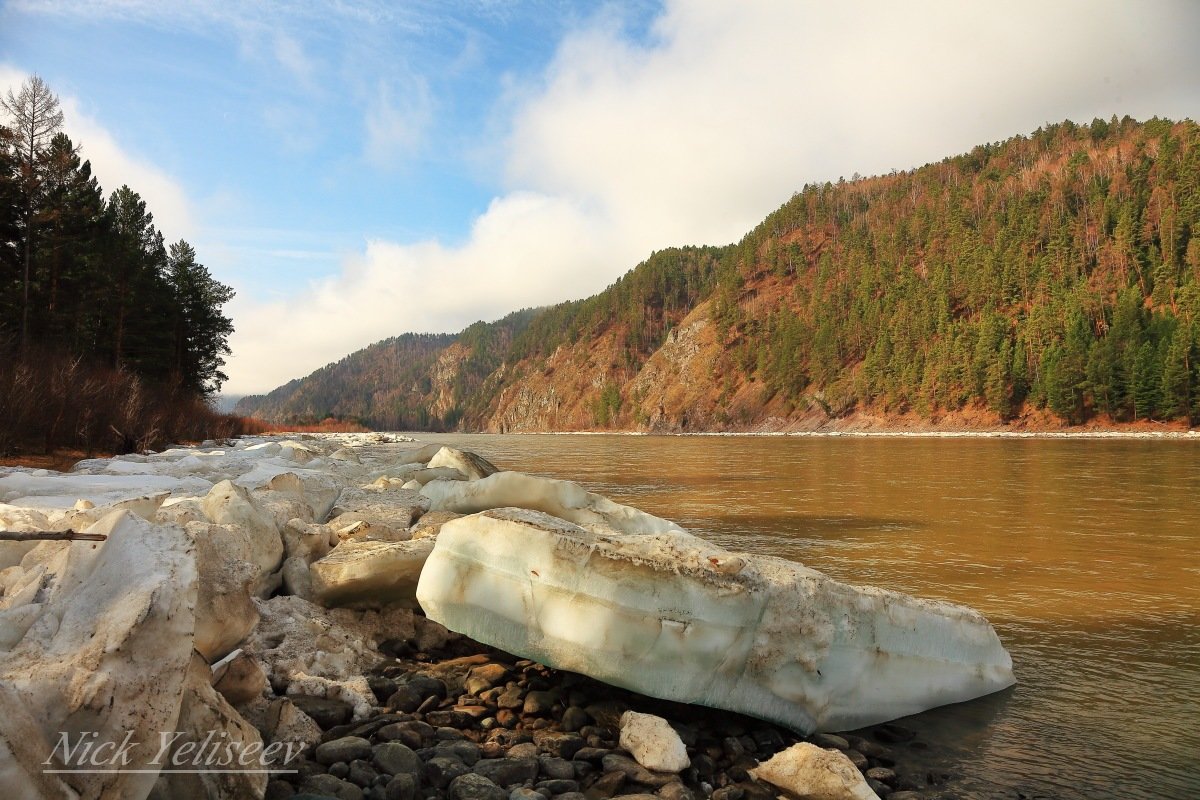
[248,587]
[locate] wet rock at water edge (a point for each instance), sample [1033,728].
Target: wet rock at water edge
[807,770]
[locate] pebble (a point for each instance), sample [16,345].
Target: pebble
[475,787]
[441,770]
[279,790]
[675,791]
[732,747]
[558,786]
[574,718]
[465,751]
[866,747]
[508,771]
[330,786]
[427,686]
[484,677]
[857,759]
[829,741]
[753,790]
[401,787]
[555,767]
[405,698]
[395,758]
[879,788]
[361,773]
[615,762]
[523,750]
[540,702]
[606,786]
[882,774]
[592,754]
[769,740]
[449,719]
[557,743]
[325,712]
[382,686]
[402,733]
[704,765]
[346,749]
[511,697]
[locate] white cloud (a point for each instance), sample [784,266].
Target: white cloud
[396,121]
[737,105]
[113,165]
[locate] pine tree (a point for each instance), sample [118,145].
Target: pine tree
[201,332]
[67,260]
[1147,379]
[139,295]
[1175,399]
[35,118]
[998,380]
[1059,384]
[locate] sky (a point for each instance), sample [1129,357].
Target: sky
[356,170]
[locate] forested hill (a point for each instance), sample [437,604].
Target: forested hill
[1048,279]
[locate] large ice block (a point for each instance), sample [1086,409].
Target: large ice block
[672,616]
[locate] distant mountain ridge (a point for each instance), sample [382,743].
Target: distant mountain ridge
[1048,279]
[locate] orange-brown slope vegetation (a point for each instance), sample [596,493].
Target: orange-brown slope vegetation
[1048,280]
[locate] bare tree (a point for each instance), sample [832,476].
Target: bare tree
[35,117]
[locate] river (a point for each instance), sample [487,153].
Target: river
[1084,554]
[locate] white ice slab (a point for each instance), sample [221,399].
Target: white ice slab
[672,616]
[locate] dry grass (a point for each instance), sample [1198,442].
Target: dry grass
[60,407]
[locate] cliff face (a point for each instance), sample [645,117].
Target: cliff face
[559,393]
[445,368]
[1047,280]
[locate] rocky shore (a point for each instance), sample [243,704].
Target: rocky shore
[264,618]
[468,722]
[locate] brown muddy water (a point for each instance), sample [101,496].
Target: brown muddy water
[1084,554]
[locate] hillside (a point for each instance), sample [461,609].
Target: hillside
[1050,279]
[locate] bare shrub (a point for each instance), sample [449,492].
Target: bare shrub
[51,401]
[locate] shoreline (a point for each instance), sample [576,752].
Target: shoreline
[51,461]
[1188,435]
